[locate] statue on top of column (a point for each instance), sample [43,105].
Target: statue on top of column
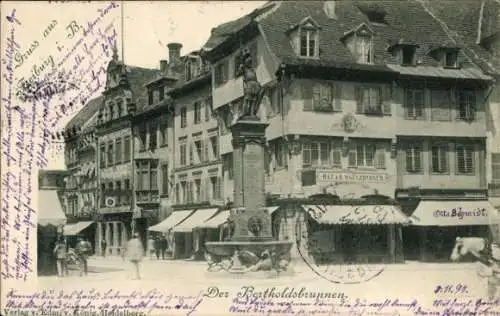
[252,89]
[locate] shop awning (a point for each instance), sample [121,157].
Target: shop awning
[50,211]
[223,216]
[171,221]
[76,228]
[455,213]
[356,214]
[195,220]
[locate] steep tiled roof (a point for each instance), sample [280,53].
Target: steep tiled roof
[462,22]
[85,113]
[406,21]
[137,77]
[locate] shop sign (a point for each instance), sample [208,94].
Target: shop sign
[329,176]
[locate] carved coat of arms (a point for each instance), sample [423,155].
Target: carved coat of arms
[350,123]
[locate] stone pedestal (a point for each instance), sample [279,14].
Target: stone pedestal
[251,219]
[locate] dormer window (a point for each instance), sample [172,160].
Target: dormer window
[451,59]
[305,38]
[408,55]
[192,67]
[308,42]
[360,42]
[364,49]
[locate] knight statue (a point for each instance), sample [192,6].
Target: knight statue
[252,89]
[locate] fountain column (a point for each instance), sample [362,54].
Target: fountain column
[249,187]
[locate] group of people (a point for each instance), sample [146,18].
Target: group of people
[65,255]
[158,245]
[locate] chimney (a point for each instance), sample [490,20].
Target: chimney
[163,65]
[174,52]
[329,8]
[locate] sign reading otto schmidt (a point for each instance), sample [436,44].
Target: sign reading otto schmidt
[324,175]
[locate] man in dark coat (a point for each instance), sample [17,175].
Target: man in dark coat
[157,245]
[164,246]
[103,247]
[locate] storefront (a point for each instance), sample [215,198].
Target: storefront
[85,229]
[165,228]
[115,228]
[439,222]
[50,220]
[352,233]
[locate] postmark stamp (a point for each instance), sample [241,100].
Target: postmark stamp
[334,265]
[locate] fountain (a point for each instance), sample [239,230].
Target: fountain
[251,247]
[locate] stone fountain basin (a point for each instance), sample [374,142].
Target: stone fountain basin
[227,248]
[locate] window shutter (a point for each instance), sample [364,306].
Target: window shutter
[473,105]
[337,96]
[359,98]
[307,94]
[191,153]
[352,155]
[316,95]
[380,156]
[336,154]
[203,191]
[386,99]
[218,188]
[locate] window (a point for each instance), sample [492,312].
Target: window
[187,70]
[118,194]
[215,183]
[191,153]
[147,176]
[189,192]
[451,59]
[197,113]
[110,153]
[161,93]
[228,165]
[214,141]
[362,155]
[208,108]
[119,108]
[495,175]
[322,97]
[440,104]
[142,136]
[464,158]
[439,159]
[197,191]
[408,55]
[150,97]
[221,73]
[183,153]
[126,149]
[280,154]
[118,151]
[414,101]
[466,105]
[183,117]
[103,156]
[163,132]
[316,154]
[199,149]
[111,106]
[414,158]
[153,137]
[178,193]
[165,180]
[369,100]
[308,42]
[364,49]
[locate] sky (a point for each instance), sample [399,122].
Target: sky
[147,29]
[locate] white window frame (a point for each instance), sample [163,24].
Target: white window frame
[469,168]
[183,115]
[310,34]
[364,49]
[413,151]
[309,147]
[368,107]
[467,99]
[414,107]
[364,162]
[443,149]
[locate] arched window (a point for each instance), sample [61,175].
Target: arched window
[111,106]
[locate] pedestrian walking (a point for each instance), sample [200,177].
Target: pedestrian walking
[83,250]
[151,247]
[157,245]
[164,246]
[61,253]
[103,247]
[135,252]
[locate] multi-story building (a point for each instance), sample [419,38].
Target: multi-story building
[122,96]
[361,101]
[476,26]
[153,145]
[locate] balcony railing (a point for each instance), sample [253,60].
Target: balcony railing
[147,196]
